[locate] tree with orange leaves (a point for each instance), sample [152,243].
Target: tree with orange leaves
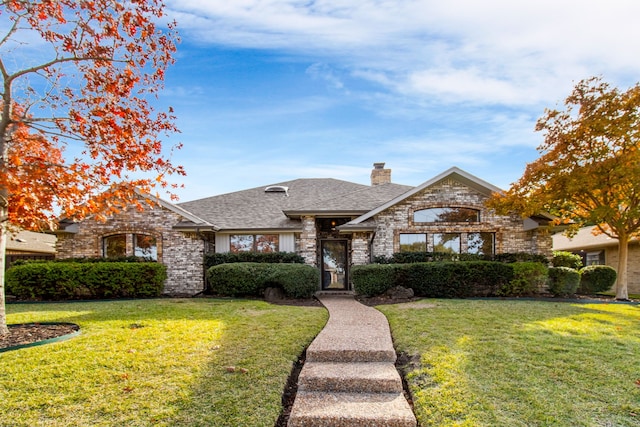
[78,133]
[589,169]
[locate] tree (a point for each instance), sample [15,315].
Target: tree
[78,133]
[589,167]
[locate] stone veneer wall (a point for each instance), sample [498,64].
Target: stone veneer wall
[182,253]
[307,242]
[509,232]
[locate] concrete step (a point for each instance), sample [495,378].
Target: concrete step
[346,354]
[376,377]
[317,409]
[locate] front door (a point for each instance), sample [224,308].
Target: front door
[334,264]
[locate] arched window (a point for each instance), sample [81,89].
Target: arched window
[449,214]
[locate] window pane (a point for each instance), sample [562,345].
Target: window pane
[413,242]
[480,243]
[267,243]
[115,246]
[145,246]
[241,243]
[447,215]
[446,242]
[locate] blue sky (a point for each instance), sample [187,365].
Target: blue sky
[273,90]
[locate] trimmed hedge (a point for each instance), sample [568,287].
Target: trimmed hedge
[434,279]
[596,278]
[252,278]
[563,281]
[211,260]
[413,257]
[85,280]
[528,279]
[566,259]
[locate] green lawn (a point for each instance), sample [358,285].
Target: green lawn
[521,363]
[156,363]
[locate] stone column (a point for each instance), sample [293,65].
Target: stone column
[308,241]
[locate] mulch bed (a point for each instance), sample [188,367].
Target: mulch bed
[34,332]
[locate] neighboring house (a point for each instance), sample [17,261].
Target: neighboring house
[29,245]
[602,250]
[332,224]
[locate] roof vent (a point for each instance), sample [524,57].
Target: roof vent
[277,189]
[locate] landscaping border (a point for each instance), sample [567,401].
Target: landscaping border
[45,341]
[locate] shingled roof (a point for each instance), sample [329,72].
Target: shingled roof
[258,209]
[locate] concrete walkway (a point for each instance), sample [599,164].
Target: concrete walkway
[349,377]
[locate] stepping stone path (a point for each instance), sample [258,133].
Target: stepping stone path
[349,376]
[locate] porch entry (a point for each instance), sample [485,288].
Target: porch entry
[334,264]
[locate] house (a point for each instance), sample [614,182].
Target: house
[332,224]
[25,244]
[601,249]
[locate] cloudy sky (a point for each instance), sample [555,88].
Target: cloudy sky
[272,90]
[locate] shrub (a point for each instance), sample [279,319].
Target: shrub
[528,278]
[252,278]
[596,278]
[211,260]
[413,257]
[75,280]
[487,278]
[566,259]
[373,279]
[437,280]
[563,281]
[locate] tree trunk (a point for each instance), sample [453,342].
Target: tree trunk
[623,252]
[3,247]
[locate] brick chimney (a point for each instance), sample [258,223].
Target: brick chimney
[380,175]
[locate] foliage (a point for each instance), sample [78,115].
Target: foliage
[410,257]
[269,257]
[252,278]
[566,259]
[528,279]
[77,76]
[519,363]
[72,280]
[563,281]
[596,278]
[589,167]
[160,362]
[373,279]
[487,278]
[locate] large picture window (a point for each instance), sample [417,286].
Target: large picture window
[413,242]
[253,243]
[114,246]
[481,243]
[446,242]
[465,215]
[143,245]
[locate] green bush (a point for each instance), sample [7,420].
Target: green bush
[437,279]
[413,257]
[487,278]
[566,259]
[211,260]
[563,281]
[373,279]
[528,278]
[252,278]
[85,280]
[596,278]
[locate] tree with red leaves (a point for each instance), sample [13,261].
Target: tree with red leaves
[78,133]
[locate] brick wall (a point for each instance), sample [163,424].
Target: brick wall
[633,265]
[509,233]
[182,253]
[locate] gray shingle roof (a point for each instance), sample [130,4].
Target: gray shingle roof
[259,210]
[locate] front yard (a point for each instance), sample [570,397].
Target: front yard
[161,362]
[520,363]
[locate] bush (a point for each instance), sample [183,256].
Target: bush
[596,278]
[211,260]
[373,279]
[487,278]
[528,278]
[413,257]
[252,278]
[563,281]
[437,280]
[566,259]
[85,280]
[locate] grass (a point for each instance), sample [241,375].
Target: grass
[156,363]
[521,363]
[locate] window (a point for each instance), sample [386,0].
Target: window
[413,242]
[595,258]
[253,243]
[446,242]
[143,245]
[481,243]
[447,215]
[114,246]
